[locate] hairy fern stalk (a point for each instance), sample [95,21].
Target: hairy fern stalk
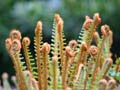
[80,65]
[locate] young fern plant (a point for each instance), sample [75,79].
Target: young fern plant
[76,66]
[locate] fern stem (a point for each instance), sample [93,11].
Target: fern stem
[45,51]
[67,56]
[16,70]
[90,32]
[61,46]
[38,42]
[20,73]
[55,77]
[81,57]
[55,51]
[25,44]
[97,65]
[107,64]
[14,52]
[87,73]
[97,38]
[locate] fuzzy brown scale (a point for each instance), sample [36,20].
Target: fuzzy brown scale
[15,34]
[26,41]
[8,43]
[16,45]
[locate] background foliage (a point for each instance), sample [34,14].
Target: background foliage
[23,15]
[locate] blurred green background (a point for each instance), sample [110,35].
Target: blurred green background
[24,14]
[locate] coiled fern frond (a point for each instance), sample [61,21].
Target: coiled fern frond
[80,65]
